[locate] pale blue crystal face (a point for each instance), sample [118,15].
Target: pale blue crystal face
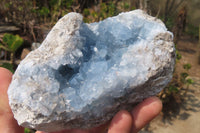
[104,67]
[89,71]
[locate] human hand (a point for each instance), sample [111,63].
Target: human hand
[122,122]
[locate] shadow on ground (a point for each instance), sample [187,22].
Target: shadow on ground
[180,109]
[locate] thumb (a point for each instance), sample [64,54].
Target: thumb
[7,122]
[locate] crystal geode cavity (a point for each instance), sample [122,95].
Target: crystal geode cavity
[83,74]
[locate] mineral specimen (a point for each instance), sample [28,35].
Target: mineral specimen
[83,74]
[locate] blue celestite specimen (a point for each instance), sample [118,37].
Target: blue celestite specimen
[83,74]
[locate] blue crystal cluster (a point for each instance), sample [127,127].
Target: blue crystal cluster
[82,74]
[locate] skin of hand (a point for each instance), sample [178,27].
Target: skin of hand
[122,122]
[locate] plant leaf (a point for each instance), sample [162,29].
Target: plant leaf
[190,81]
[8,39]
[13,42]
[187,66]
[17,43]
[173,88]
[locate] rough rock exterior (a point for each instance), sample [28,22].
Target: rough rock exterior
[83,74]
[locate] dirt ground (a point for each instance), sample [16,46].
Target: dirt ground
[183,116]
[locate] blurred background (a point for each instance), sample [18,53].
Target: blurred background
[25,23]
